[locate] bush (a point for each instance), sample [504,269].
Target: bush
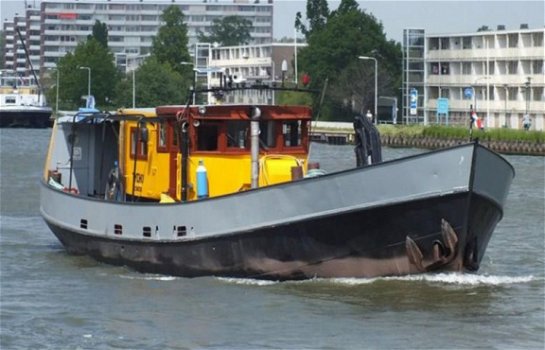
[457,132]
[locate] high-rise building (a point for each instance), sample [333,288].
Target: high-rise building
[26,26]
[131,25]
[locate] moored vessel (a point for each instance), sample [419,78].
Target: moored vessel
[21,103]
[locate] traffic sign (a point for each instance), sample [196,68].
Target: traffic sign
[414,101]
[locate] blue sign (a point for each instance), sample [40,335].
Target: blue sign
[468,92]
[442,105]
[414,101]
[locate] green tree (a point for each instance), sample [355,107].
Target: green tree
[170,44]
[228,31]
[155,84]
[332,53]
[74,81]
[317,15]
[100,33]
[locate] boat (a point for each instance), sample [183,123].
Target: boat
[21,103]
[228,190]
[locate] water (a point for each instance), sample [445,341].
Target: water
[56,301]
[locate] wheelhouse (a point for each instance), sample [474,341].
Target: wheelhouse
[161,152]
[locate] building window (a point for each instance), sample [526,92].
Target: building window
[537,67]
[466,43]
[445,68]
[538,39]
[538,94]
[513,40]
[512,67]
[445,44]
[466,68]
[512,93]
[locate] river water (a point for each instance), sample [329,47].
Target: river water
[51,300]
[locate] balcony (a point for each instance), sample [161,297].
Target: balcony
[468,80]
[494,106]
[481,54]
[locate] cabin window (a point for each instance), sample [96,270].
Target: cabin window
[207,136]
[292,133]
[162,139]
[237,134]
[267,134]
[83,223]
[10,100]
[118,229]
[181,231]
[146,231]
[138,146]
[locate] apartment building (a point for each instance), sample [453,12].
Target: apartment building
[498,73]
[132,25]
[249,64]
[14,53]
[61,24]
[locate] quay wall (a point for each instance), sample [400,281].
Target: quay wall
[341,134]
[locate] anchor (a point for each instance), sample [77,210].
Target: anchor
[443,252]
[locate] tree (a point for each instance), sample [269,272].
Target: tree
[334,43]
[155,84]
[74,81]
[229,31]
[100,33]
[317,15]
[170,44]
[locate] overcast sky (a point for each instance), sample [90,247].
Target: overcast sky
[434,16]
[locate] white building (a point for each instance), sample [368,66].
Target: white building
[248,64]
[14,54]
[503,68]
[132,25]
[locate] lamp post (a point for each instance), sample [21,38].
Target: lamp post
[527,93]
[186,63]
[57,92]
[376,82]
[506,87]
[88,80]
[474,94]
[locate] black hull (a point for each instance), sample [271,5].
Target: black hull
[25,119]
[364,243]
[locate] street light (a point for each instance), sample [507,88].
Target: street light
[57,92]
[474,94]
[527,93]
[376,82]
[186,63]
[88,80]
[133,68]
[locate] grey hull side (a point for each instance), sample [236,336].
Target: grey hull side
[452,179]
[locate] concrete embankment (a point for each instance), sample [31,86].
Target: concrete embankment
[342,133]
[505,147]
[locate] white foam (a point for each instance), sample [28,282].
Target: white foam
[149,277]
[443,278]
[459,279]
[247,281]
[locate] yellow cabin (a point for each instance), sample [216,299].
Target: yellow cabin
[160,150]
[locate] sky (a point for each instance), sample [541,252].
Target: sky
[436,17]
